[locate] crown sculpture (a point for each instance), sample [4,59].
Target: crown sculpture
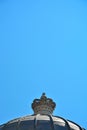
[43,105]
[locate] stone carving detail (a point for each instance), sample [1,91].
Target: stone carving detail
[43,105]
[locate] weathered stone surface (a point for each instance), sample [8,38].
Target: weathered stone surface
[42,119]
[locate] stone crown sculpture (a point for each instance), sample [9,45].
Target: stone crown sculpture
[43,105]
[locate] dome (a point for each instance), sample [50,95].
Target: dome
[42,119]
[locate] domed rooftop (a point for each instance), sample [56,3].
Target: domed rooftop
[42,119]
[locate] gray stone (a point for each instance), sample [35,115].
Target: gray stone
[42,119]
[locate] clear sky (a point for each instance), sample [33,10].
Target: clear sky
[43,48]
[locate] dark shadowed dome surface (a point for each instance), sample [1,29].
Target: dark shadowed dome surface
[42,119]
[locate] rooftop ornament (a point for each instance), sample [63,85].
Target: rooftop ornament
[43,105]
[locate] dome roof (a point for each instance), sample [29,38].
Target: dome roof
[42,119]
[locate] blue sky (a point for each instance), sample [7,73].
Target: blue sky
[43,48]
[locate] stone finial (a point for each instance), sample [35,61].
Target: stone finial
[43,105]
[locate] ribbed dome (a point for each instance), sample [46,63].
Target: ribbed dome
[40,122]
[42,119]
